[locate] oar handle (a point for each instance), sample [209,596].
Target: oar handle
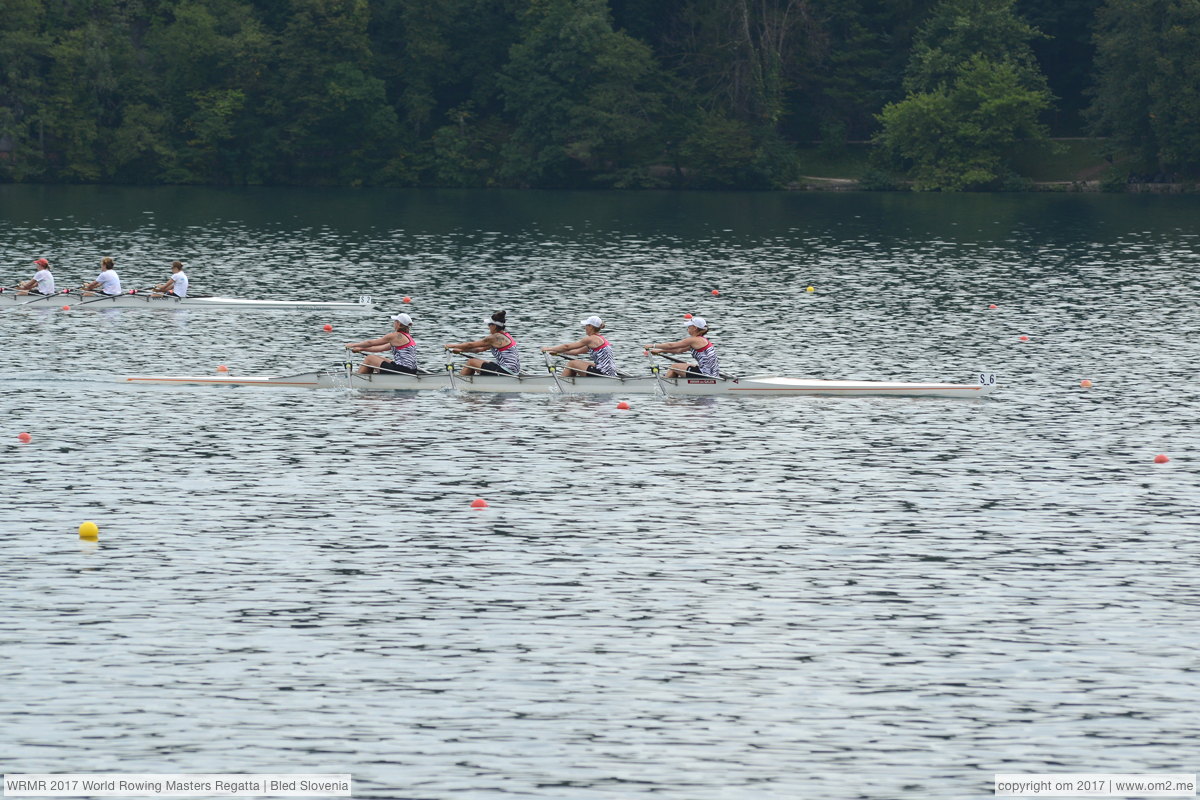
[722,375]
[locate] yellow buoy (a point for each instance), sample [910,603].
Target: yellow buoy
[810,289]
[88,530]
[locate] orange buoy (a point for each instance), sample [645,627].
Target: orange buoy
[715,292]
[479,502]
[24,437]
[1085,383]
[407,299]
[222,368]
[1161,459]
[993,305]
[1023,338]
[327,327]
[66,308]
[623,405]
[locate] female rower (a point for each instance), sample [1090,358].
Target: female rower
[177,284]
[108,282]
[42,280]
[592,343]
[506,360]
[400,343]
[706,365]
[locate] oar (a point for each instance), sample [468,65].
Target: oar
[590,374]
[483,371]
[36,299]
[657,372]
[553,370]
[111,296]
[723,376]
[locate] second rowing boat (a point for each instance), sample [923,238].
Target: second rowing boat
[158,302]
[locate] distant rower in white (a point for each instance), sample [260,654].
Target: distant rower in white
[108,281]
[177,284]
[42,280]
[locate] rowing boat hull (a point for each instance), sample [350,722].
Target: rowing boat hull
[758,385]
[160,303]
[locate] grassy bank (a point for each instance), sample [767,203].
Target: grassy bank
[1061,161]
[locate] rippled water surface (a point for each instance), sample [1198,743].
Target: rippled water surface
[695,598]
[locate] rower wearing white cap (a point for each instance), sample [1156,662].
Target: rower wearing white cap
[592,343]
[506,360]
[400,343]
[706,366]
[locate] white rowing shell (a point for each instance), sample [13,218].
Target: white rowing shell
[147,301]
[759,385]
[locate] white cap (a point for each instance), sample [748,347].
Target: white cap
[403,319]
[594,321]
[490,321]
[699,322]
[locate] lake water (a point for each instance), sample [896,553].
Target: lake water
[696,598]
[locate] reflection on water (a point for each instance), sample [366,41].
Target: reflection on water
[695,598]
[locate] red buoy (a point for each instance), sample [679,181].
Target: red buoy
[623,405]
[1161,459]
[715,292]
[993,305]
[222,368]
[327,327]
[687,316]
[1023,338]
[407,299]
[479,502]
[1085,383]
[24,437]
[66,308]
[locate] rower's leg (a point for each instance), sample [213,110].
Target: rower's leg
[472,366]
[576,368]
[679,370]
[370,364]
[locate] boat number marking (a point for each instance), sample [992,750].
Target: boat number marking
[987,379]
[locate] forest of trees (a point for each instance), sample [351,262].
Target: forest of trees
[586,93]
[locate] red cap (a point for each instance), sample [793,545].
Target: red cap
[41,262]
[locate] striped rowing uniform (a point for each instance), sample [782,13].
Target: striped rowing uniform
[507,357]
[706,359]
[602,357]
[406,354]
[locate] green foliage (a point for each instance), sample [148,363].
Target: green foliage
[1147,94]
[614,93]
[583,97]
[974,91]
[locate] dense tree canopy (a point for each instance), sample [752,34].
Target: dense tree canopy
[974,91]
[609,93]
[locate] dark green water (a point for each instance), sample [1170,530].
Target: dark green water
[697,598]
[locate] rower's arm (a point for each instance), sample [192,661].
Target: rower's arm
[470,347]
[574,348]
[670,347]
[366,344]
